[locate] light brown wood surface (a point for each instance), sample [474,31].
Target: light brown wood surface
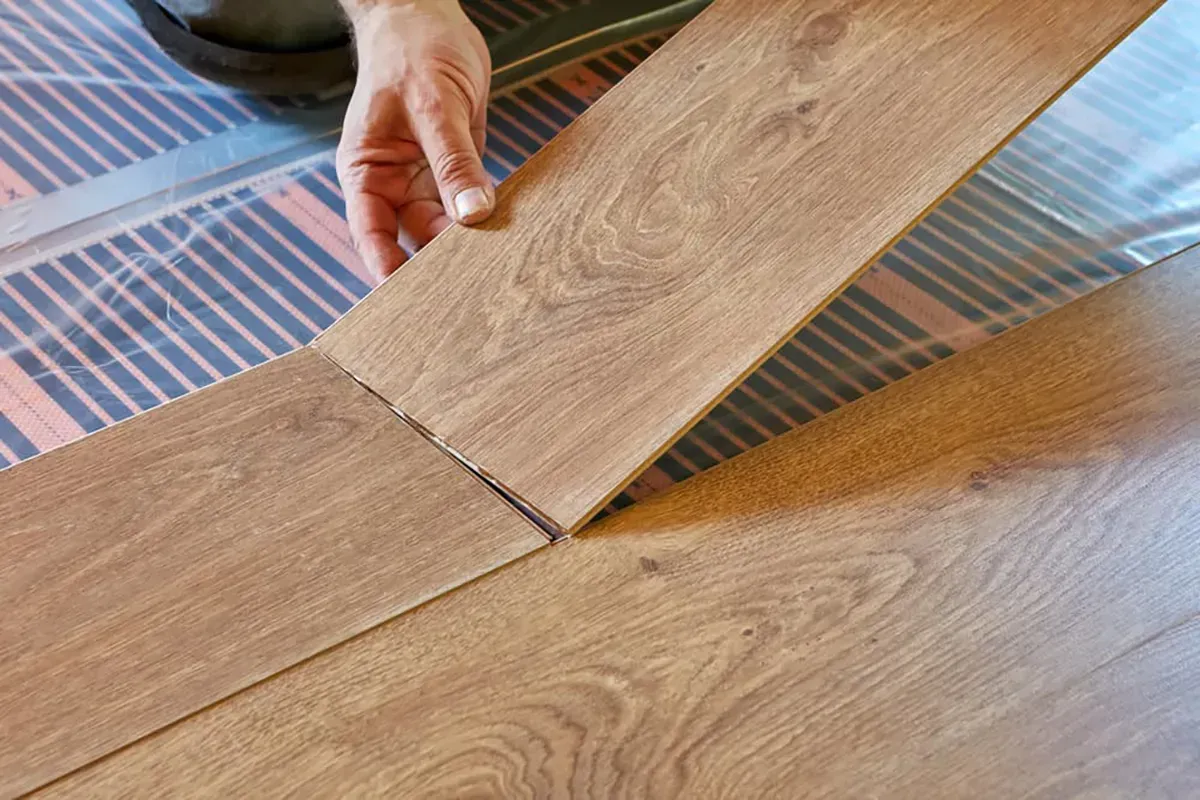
[982,581]
[164,563]
[664,244]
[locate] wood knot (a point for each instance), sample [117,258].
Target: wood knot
[649,565]
[826,30]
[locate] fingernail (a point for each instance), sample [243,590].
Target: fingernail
[472,205]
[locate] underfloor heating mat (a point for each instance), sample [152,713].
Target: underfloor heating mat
[160,233]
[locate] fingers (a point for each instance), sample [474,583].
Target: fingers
[375,230]
[446,134]
[393,209]
[420,222]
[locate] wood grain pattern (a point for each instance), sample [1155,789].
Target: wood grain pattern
[981,581]
[169,561]
[664,244]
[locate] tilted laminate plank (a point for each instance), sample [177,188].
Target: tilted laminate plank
[972,583]
[169,561]
[662,246]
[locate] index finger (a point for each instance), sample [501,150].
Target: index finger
[375,229]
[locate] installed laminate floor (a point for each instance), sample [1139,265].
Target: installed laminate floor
[983,580]
[171,560]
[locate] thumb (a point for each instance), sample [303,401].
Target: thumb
[449,147]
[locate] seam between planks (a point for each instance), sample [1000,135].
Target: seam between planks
[523,508]
[116,751]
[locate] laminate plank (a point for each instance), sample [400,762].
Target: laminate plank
[169,561]
[982,580]
[1127,728]
[661,247]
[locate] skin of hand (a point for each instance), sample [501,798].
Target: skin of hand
[410,155]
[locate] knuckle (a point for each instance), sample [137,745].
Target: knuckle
[352,164]
[430,107]
[350,174]
[346,159]
[425,100]
[454,165]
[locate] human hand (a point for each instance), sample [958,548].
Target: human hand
[409,159]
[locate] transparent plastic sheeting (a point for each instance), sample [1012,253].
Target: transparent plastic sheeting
[85,91]
[151,308]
